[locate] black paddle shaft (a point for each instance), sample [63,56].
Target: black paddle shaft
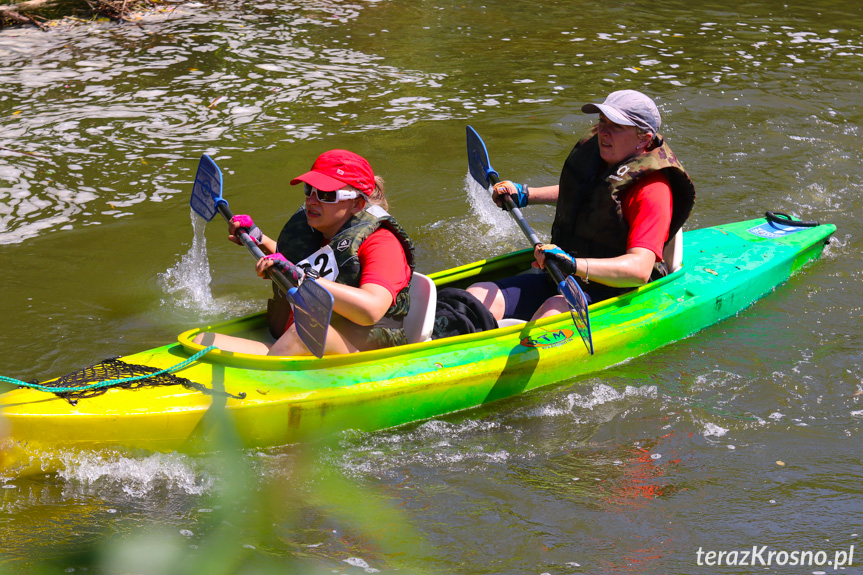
[275,275]
[552,268]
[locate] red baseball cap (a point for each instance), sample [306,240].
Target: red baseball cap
[336,169]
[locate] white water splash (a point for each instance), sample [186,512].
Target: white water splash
[596,404]
[488,230]
[357,562]
[187,283]
[189,279]
[136,476]
[435,442]
[487,213]
[713,430]
[603,393]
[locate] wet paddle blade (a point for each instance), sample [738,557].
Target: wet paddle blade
[577,301]
[207,191]
[478,162]
[313,307]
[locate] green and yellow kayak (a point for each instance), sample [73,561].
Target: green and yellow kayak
[281,400]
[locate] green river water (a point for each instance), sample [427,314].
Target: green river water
[743,436]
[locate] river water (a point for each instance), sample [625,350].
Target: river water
[745,435]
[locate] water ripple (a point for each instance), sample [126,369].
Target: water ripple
[98,103]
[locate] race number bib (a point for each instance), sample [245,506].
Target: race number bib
[324,262]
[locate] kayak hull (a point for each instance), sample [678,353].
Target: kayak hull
[290,399]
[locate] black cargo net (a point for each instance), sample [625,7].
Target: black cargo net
[112,373]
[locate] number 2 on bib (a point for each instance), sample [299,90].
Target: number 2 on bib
[323,262]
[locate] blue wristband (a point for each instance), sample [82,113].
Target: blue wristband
[523,194]
[565,262]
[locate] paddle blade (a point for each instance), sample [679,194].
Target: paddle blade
[313,306]
[207,191]
[577,301]
[477,160]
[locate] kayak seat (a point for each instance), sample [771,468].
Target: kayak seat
[672,254]
[420,319]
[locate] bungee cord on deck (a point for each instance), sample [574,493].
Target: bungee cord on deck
[114,373]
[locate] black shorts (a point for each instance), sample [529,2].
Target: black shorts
[524,293]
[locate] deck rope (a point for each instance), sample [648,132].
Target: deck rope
[108,383]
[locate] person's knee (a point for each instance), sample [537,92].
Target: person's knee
[552,306]
[289,344]
[484,292]
[489,294]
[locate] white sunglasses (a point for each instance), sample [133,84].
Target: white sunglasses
[333,197]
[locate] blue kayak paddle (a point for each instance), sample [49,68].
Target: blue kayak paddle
[486,176]
[313,304]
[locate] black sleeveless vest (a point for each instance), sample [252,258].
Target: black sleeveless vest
[589,219]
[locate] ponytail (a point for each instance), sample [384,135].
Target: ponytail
[377,196]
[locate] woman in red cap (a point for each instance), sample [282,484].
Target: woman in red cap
[344,238]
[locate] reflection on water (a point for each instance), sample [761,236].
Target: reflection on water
[100,103]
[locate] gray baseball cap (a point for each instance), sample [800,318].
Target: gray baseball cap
[628,108]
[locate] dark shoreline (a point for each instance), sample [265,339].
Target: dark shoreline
[41,13]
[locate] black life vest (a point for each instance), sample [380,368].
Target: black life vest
[338,260]
[589,219]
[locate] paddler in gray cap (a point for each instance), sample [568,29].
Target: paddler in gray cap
[621,198]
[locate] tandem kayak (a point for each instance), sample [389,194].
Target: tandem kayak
[280,400]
